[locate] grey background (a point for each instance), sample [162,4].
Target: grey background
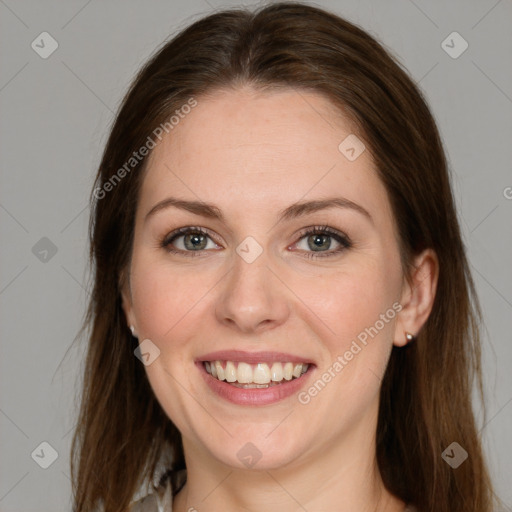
[55,115]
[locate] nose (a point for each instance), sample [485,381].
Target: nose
[252,299]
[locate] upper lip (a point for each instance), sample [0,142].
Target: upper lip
[252,357]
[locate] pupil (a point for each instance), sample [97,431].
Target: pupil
[194,240]
[319,240]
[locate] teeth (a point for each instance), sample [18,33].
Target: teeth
[297,370]
[277,372]
[259,375]
[288,371]
[230,373]
[244,373]
[220,371]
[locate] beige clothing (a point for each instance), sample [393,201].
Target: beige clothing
[161,499]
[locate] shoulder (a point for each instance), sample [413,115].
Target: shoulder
[161,497]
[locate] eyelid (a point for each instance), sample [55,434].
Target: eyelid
[324,229]
[339,236]
[183,231]
[342,239]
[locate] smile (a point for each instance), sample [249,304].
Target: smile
[254,378]
[260,375]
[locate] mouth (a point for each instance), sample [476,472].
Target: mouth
[254,378]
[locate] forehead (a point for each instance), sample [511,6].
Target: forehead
[256,150]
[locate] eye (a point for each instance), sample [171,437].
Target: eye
[194,240]
[319,238]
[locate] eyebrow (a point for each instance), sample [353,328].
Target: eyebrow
[293,211]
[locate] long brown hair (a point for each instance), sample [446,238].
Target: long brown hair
[426,391]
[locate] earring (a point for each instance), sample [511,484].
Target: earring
[408,336]
[132,328]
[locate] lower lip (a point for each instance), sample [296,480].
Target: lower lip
[254,396]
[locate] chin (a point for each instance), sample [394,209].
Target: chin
[257,450]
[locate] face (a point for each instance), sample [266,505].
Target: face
[264,286]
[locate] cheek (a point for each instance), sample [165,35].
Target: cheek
[358,339]
[349,301]
[164,296]
[167,304]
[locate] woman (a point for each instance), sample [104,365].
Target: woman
[283,314]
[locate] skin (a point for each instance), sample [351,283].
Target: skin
[254,154]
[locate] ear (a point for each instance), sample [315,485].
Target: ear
[126,297]
[418,294]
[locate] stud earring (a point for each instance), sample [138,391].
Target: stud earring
[408,336]
[132,328]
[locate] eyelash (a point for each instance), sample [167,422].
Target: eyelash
[343,240]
